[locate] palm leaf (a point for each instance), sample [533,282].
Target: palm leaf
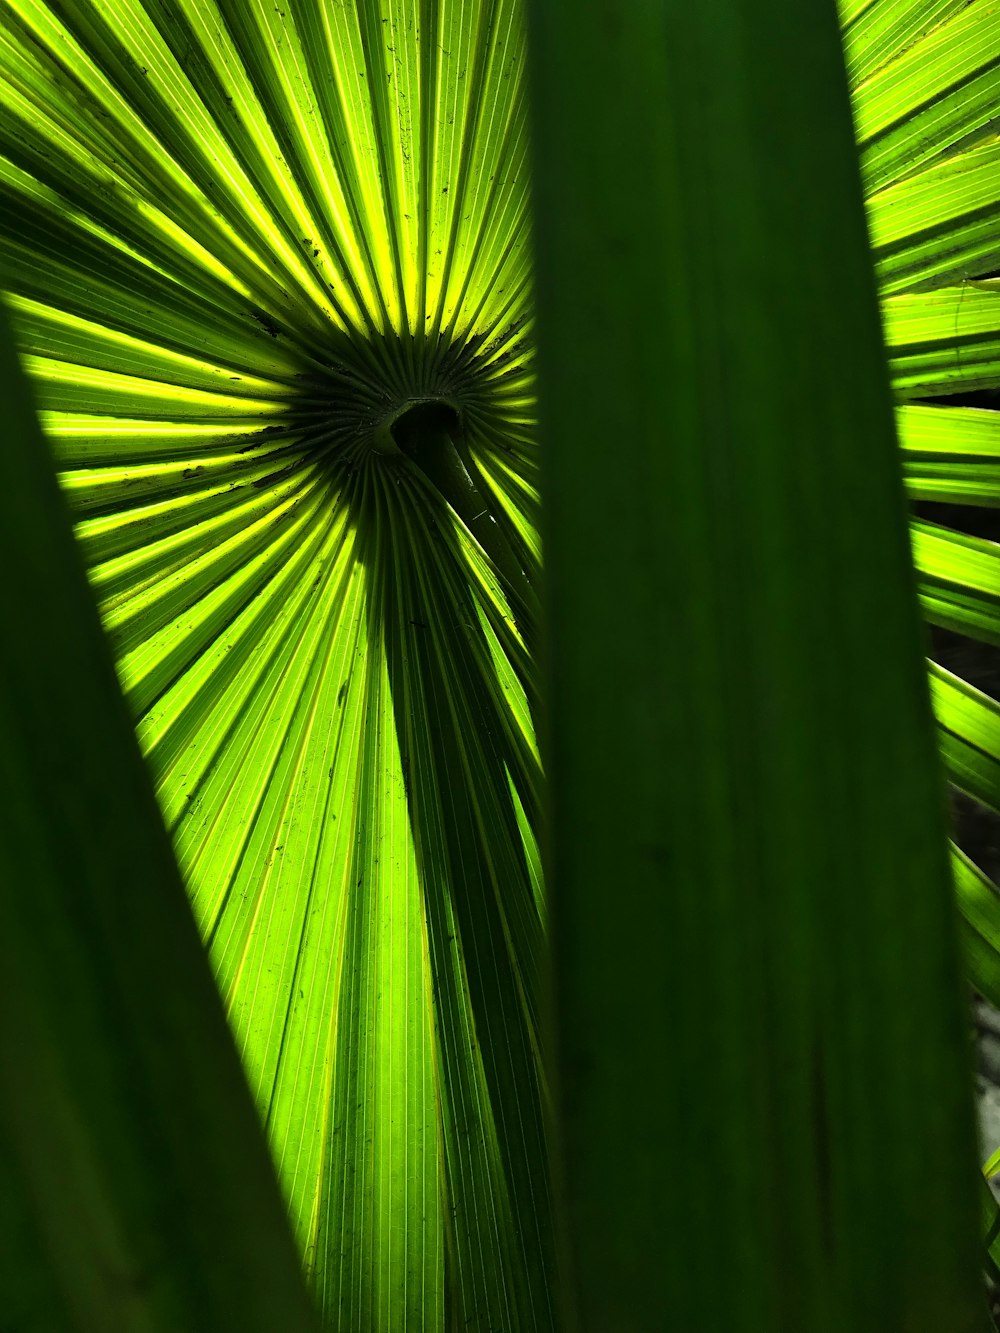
[135,1185]
[270,272]
[750,915]
[925,79]
[249,240]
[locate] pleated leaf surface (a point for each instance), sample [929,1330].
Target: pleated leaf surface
[241,241]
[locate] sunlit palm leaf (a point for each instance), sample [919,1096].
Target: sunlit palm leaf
[239,238]
[949,453]
[926,87]
[248,237]
[136,1190]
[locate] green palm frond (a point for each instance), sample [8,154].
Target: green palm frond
[762,1064]
[241,242]
[269,267]
[136,1188]
[926,92]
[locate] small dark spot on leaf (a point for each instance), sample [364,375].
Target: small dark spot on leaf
[266,323]
[269,480]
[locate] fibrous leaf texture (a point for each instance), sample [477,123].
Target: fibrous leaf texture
[269,266]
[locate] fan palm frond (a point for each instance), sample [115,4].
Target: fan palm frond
[269,266]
